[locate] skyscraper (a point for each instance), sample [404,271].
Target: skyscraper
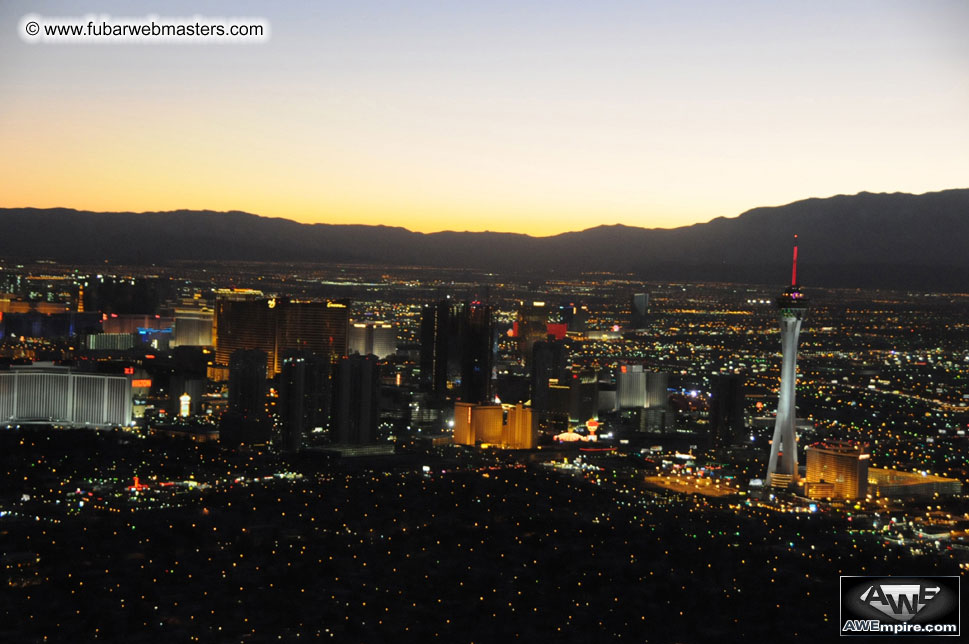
[584,396]
[376,338]
[478,342]
[276,324]
[726,409]
[186,376]
[353,420]
[247,382]
[304,387]
[245,421]
[182,384]
[457,350]
[576,317]
[193,327]
[531,326]
[657,389]
[132,323]
[487,423]
[639,306]
[318,326]
[837,469]
[520,431]
[637,388]
[630,386]
[549,366]
[64,396]
[463,432]
[646,391]
[435,333]
[509,426]
[782,464]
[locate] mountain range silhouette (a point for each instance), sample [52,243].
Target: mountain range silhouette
[866,240]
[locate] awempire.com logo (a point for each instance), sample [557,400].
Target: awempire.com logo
[899,606]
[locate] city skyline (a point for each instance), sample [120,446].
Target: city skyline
[158,471]
[447,321]
[511,118]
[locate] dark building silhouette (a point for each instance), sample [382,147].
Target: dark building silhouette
[435,336]
[575,317]
[477,333]
[245,421]
[276,325]
[247,382]
[584,396]
[511,389]
[191,361]
[304,390]
[55,325]
[180,372]
[638,309]
[549,369]
[353,419]
[531,326]
[181,384]
[458,347]
[111,294]
[727,409]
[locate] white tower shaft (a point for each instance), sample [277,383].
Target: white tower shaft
[783,451]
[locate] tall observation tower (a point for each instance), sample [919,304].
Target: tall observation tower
[782,466]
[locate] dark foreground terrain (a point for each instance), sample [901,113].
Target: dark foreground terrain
[474,551]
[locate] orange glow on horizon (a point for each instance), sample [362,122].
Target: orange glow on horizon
[660,119]
[106,163]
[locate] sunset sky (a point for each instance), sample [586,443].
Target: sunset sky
[533,117]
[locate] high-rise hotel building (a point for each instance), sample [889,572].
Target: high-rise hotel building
[45,393]
[373,338]
[276,325]
[458,344]
[837,469]
[510,426]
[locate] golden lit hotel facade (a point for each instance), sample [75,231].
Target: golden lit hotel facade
[508,426]
[837,469]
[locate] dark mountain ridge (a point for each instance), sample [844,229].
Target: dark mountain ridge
[864,240]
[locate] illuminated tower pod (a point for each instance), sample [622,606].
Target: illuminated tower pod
[782,465]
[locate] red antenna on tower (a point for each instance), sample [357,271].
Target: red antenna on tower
[794,268]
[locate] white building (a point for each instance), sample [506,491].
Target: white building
[376,338]
[638,389]
[43,392]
